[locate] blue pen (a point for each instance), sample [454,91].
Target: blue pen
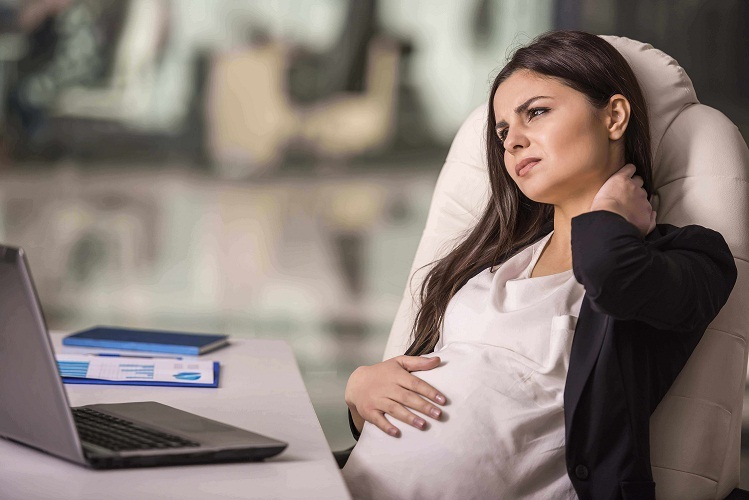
[113,355]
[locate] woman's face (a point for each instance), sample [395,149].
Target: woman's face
[570,140]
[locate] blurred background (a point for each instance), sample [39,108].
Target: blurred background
[264,168]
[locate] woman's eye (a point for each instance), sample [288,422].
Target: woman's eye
[533,112]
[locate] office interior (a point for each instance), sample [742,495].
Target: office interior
[264,168]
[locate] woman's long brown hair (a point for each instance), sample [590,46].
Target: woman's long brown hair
[584,62]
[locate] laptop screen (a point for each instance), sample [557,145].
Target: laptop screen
[34,408]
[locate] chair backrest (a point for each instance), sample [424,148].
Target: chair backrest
[700,174]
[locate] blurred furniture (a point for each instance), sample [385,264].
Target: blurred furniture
[12,48]
[252,119]
[143,105]
[353,123]
[129,95]
[261,389]
[700,174]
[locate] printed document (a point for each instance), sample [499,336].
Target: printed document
[134,369]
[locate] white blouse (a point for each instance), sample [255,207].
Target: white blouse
[504,353]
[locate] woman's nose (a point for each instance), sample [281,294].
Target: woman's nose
[516,139]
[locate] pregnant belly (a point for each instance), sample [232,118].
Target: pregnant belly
[496,418]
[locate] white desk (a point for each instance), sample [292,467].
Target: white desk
[260,390]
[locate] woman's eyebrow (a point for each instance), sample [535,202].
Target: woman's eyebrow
[523,107]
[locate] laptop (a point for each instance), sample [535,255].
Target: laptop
[35,409]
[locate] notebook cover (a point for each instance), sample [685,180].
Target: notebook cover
[191,344]
[75,380]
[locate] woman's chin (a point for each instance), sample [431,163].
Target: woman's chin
[539,196]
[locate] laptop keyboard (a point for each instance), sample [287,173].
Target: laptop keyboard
[120,435]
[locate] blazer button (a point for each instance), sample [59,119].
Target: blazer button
[581,472]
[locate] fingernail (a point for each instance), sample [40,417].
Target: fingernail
[440,398]
[393,431]
[419,422]
[435,412]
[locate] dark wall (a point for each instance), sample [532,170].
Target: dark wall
[709,38]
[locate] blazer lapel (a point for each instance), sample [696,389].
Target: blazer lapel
[586,345]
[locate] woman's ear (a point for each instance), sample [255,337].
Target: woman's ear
[617,116]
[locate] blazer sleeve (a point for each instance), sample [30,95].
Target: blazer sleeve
[674,279]
[352,426]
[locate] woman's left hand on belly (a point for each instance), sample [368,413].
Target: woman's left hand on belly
[389,387]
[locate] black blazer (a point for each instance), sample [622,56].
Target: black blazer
[647,304]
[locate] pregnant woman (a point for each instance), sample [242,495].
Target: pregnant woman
[545,339]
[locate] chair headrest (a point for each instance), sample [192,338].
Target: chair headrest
[665,84]
[699,156]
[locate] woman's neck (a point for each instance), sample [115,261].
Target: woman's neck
[560,244]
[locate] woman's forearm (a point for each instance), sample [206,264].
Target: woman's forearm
[677,279]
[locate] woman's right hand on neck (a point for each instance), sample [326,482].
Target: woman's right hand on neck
[389,387]
[623,194]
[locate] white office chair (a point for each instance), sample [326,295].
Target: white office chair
[700,174]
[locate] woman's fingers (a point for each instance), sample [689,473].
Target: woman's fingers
[417,363]
[378,419]
[414,401]
[396,410]
[418,386]
[624,193]
[627,170]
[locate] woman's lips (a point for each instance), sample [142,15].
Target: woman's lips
[527,168]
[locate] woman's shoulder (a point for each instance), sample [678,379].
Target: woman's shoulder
[693,238]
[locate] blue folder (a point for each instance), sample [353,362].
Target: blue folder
[76,380]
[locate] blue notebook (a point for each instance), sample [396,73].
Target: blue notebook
[105,337]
